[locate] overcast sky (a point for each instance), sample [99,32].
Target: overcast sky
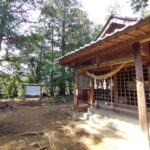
[97,9]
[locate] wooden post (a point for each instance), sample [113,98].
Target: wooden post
[149,77]
[143,119]
[24,92]
[40,97]
[115,90]
[76,92]
[92,92]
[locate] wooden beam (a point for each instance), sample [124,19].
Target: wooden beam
[117,40]
[141,32]
[92,92]
[145,40]
[126,59]
[130,36]
[145,49]
[76,91]
[124,38]
[149,77]
[143,119]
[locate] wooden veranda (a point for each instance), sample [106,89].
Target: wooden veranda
[116,68]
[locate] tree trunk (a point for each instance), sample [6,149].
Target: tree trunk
[52,71]
[63,46]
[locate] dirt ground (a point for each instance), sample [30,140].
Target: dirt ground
[42,128]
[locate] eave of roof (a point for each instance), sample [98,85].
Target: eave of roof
[100,42]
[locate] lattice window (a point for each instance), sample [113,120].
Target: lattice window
[127,87]
[147,85]
[127,93]
[103,91]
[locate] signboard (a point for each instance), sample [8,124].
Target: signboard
[33,90]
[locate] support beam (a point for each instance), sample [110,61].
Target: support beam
[145,50]
[149,77]
[92,92]
[126,59]
[76,91]
[143,119]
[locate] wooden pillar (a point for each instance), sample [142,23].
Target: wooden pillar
[92,92]
[40,97]
[149,77]
[143,119]
[76,91]
[115,90]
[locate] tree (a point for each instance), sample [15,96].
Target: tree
[69,23]
[63,26]
[14,14]
[113,9]
[96,31]
[146,13]
[138,5]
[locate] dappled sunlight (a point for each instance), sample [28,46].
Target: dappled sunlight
[32,128]
[117,133]
[52,126]
[92,141]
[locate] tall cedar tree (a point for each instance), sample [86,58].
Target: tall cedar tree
[72,30]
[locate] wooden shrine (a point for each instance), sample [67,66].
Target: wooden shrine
[116,67]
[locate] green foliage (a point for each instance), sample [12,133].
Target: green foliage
[146,13]
[10,86]
[138,5]
[67,22]
[60,99]
[62,27]
[96,31]
[13,15]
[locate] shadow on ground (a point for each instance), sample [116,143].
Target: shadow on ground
[47,127]
[51,120]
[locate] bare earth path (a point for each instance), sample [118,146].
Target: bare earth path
[43,128]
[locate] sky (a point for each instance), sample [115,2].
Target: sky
[97,9]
